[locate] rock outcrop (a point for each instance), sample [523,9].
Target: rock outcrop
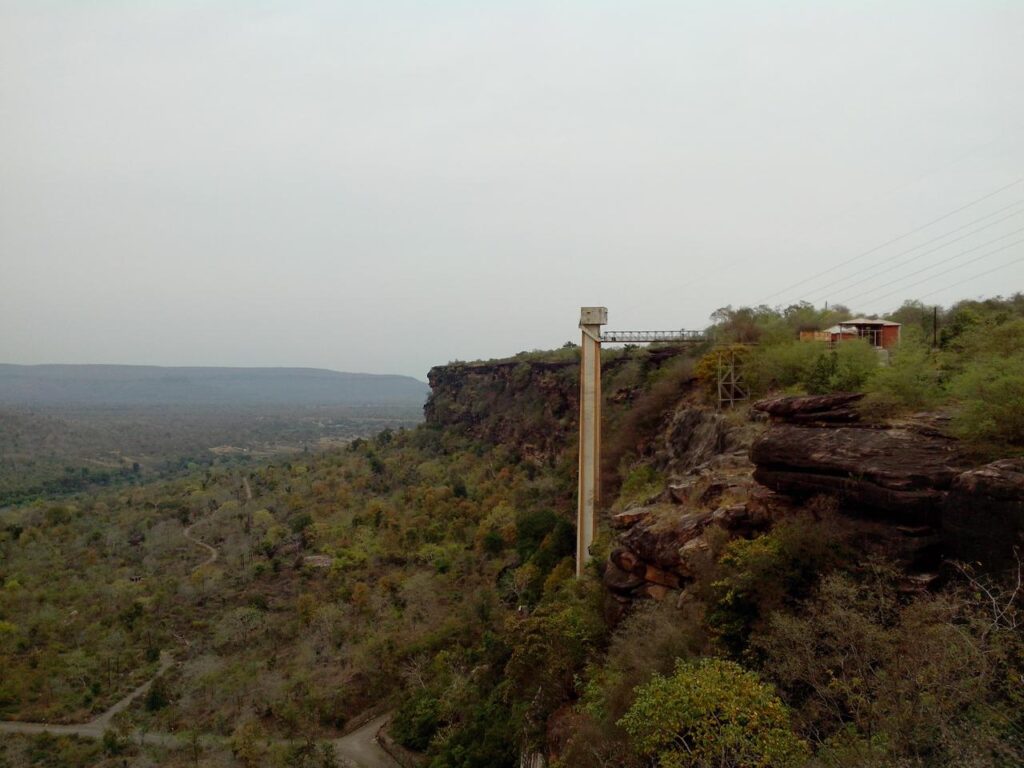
[983,514]
[694,437]
[813,409]
[910,492]
[530,404]
[662,543]
[899,470]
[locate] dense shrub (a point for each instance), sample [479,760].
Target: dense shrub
[850,364]
[648,641]
[810,367]
[781,366]
[558,639]
[912,380]
[487,738]
[628,433]
[712,712]
[991,398]
[640,483]
[878,680]
[158,696]
[757,576]
[531,528]
[416,720]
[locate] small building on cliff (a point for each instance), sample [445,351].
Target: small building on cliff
[882,334]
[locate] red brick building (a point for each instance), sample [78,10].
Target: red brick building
[883,334]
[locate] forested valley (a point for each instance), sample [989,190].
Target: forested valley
[428,572]
[68,428]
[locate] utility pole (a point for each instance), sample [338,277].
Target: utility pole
[591,320]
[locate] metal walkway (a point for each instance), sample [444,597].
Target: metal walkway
[643,337]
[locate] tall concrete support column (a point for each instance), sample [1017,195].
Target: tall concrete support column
[591,320]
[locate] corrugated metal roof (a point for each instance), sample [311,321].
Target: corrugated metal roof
[865,321]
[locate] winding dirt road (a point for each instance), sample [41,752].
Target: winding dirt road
[94,728]
[214,553]
[359,748]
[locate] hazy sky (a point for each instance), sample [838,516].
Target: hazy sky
[384,186]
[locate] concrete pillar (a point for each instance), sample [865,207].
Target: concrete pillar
[591,320]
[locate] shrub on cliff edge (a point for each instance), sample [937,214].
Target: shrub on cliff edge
[712,713]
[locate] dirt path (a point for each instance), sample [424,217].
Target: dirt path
[359,748]
[214,554]
[94,728]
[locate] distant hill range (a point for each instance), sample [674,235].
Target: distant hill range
[152,385]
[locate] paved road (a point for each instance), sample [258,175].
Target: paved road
[361,746]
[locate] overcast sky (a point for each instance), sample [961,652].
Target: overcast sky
[384,186]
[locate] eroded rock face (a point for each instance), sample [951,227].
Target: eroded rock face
[816,408]
[658,539]
[983,515]
[907,471]
[694,436]
[899,471]
[661,550]
[662,543]
[485,400]
[915,496]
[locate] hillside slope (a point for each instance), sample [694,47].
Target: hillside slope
[430,571]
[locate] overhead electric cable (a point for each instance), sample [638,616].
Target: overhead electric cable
[900,237]
[703,277]
[975,277]
[954,257]
[940,274]
[897,264]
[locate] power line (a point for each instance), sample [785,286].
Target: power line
[946,272]
[897,265]
[901,237]
[702,278]
[980,274]
[954,257]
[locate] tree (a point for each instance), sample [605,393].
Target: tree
[712,713]
[914,315]
[911,380]
[991,394]
[247,743]
[845,369]
[157,697]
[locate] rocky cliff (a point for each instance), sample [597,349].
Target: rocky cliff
[530,404]
[908,491]
[903,472]
[660,545]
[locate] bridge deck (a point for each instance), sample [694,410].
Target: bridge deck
[641,337]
